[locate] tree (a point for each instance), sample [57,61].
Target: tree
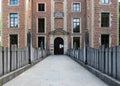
[0,27]
[119,23]
[0,24]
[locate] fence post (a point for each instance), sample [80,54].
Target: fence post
[2,60]
[86,44]
[42,48]
[1,63]
[118,62]
[115,62]
[85,54]
[102,59]
[29,41]
[107,60]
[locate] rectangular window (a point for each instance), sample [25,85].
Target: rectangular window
[105,19]
[105,1]
[76,25]
[13,2]
[13,20]
[41,42]
[13,39]
[76,7]
[41,7]
[41,25]
[76,42]
[105,40]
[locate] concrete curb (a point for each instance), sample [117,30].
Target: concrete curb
[107,79]
[4,79]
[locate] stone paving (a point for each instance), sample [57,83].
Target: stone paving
[56,71]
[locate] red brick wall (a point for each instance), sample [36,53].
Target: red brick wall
[71,15]
[36,15]
[6,9]
[112,31]
[59,23]
[59,6]
[89,19]
[90,11]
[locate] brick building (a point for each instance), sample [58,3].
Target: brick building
[60,24]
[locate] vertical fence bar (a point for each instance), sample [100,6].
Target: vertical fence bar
[118,62]
[97,58]
[8,49]
[16,57]
[103,59]
[1,61]
[107,61]
[110,61]
[5,60]
[115,62]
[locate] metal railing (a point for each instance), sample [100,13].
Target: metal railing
[14,58]
[106,60]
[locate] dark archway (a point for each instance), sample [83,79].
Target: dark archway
[58,46]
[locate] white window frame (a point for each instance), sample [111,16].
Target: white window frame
[72,7]
[44,5]
[44,23]
[109,2]
[9,20]
[13,4]
[110,20]
[72,25]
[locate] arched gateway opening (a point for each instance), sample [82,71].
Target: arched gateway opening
[58,46]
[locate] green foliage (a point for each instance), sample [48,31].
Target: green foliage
[0,24]
[119,23]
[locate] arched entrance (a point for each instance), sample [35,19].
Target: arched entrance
[58,46]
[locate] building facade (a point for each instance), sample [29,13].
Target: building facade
[58,25]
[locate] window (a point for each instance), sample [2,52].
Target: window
[13,20]
[13,2]
[76,25]
[105,19]
[76,7]
[105,40]
[41,42]
[41,7]
[13,39]
[41,25]
[104,1]
[76,42]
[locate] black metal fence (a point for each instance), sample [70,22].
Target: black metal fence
[15,58]
[106,60]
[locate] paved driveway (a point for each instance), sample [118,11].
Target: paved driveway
[56,71]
